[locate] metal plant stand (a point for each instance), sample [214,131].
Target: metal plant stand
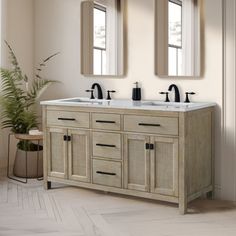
[24,137]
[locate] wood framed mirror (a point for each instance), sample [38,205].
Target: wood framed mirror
[102,38]
[178,38]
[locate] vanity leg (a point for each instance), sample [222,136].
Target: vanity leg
[210,195]
[47,185]
[183,199]
[183,207]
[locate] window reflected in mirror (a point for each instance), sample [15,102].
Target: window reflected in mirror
[178,38]
[99,45]
[175,38]
[102,37]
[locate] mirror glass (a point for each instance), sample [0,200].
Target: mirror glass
[102,42]
[178,38]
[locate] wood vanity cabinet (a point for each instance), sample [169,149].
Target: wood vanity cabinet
[151,161]
[67,149]
[151,164]
[162,155]
[164,166]
[57,154]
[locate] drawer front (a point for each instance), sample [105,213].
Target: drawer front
[107,145]
[153,125]
[106,121]
[107,173]
[68,119]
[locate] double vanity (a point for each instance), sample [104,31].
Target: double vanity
[154,150]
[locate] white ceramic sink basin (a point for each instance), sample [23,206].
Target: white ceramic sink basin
[170,104]
[83,101]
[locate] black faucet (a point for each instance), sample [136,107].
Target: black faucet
[177,96]
[99,89]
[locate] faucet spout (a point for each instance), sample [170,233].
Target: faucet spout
[177,95]
[99,90]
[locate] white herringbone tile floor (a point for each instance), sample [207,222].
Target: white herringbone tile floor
[29,210]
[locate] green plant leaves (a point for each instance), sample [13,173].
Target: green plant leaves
[17,100]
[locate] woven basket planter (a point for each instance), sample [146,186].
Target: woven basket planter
[34,169]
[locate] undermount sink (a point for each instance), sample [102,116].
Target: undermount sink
[169,104]
[84,101]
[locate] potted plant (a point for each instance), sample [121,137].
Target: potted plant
[18,99]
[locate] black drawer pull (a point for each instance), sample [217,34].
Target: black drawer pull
[152,125]
[105,145]
[67,119]
[105,122]
[105,173]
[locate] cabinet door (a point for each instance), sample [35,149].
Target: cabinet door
[57,152]
[136,162]
[79,155]
[164,166]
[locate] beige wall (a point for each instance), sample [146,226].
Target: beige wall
[18,29]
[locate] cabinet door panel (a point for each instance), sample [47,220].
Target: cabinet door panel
[79,155]
[57,152]
[164,166]
[136,166]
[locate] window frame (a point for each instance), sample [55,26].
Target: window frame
[101,49]
[176,47]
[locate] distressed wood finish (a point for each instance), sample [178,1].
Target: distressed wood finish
[79,155]
[107,145]
[164,166]
[46,157]
[154,125]
[178,169]
[68,159]
[199,163]
[183,199]
[107,173]
[136,162]
[86,37]
[56,152]
[68,119]
[106,121]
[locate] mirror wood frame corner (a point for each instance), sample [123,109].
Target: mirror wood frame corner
[103,38]
[178,38]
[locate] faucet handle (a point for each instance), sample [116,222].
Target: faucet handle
[167,96]
[187,96]
[109,94]
[90,91]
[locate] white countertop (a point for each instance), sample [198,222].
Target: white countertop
[129,104]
